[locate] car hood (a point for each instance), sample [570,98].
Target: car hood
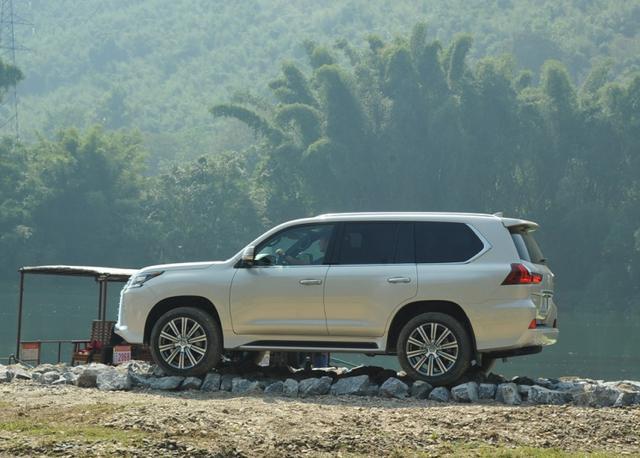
[181,266]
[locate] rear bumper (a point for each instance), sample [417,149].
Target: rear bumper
[530,342]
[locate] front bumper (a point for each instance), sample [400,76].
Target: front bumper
[135,304]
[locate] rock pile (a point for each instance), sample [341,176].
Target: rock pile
[360,381]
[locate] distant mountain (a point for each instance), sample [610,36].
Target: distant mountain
[158,65]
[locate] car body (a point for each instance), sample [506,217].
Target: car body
[352,282]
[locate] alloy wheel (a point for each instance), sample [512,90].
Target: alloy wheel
[182,343]
[432,349]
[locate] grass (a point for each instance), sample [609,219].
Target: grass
[456,449]
[63,432]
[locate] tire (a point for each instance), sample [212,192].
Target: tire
[174,353]
[428,363]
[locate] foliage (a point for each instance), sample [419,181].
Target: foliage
[157,65]
[412,125]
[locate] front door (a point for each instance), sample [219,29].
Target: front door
[373,273]
[282,293]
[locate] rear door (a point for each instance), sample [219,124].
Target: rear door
[373,271]
[530,252]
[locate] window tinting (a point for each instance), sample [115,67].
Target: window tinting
[527,247]
[445,242]
[376,243]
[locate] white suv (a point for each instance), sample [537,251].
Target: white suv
[446,292]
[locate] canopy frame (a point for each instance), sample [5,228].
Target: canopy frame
[102,275]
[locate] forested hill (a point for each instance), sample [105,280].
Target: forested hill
[266,111]
[157,65]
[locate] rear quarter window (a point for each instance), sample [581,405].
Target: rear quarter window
[527,247]
[438,242]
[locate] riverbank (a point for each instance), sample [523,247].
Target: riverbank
[70,421]
[48,417]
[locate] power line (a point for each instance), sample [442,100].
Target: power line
[9,19]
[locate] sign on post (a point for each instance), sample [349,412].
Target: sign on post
[121,354]
[30,352]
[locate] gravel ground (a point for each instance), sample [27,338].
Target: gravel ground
[70,421]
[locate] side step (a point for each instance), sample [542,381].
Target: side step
[312,344]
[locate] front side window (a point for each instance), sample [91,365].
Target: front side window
[298,245]
[376,243]
[438,242]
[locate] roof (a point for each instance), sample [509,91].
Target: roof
[401,214]
[107,273]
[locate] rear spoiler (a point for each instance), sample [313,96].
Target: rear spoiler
[515,224]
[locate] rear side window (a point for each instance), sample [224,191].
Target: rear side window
[376,243]
[527,247]
[438,242]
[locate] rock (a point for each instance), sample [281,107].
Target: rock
[70,378]
[376,374]
[138,367]
[541,395]
[139,379]
[466,392]
[595,396]
[509,393]
[626,398]
[211,382]
[523,391]
[88,377]
[244,386]
[5,375]
[566,386]
[394,388]
[37,377]
[19,373]
[191,383]
[165,383]
[113,380]
[43,368]
[440,394]
[487,391]
[373,390]
[421,389]
[49,377]
[356,386]
[314,386]
[275,389]
[60,381]
[545,382]
[157,371]
[290,388]
[226,382]
[522,381]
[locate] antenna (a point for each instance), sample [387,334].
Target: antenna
[8,47]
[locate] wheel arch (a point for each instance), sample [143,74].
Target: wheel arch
[169,303]
[413,309]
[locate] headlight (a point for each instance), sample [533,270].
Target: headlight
[141,279]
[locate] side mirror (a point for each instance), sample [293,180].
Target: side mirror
[248,255]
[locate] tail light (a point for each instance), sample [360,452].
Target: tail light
[520,275]
[533,324]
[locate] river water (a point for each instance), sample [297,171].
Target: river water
[602,345]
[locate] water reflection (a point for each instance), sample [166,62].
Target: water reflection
[596,345]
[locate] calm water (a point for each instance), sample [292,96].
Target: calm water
[598,345]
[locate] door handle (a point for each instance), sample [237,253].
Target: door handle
[311,281]
[399,280]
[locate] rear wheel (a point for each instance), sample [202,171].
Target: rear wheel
[186,341]
[434,347]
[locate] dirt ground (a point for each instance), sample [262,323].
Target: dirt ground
[40,420]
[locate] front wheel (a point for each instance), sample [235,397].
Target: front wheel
[186,341]
[434,347]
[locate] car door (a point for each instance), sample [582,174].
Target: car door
[282,293]
[373,272]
